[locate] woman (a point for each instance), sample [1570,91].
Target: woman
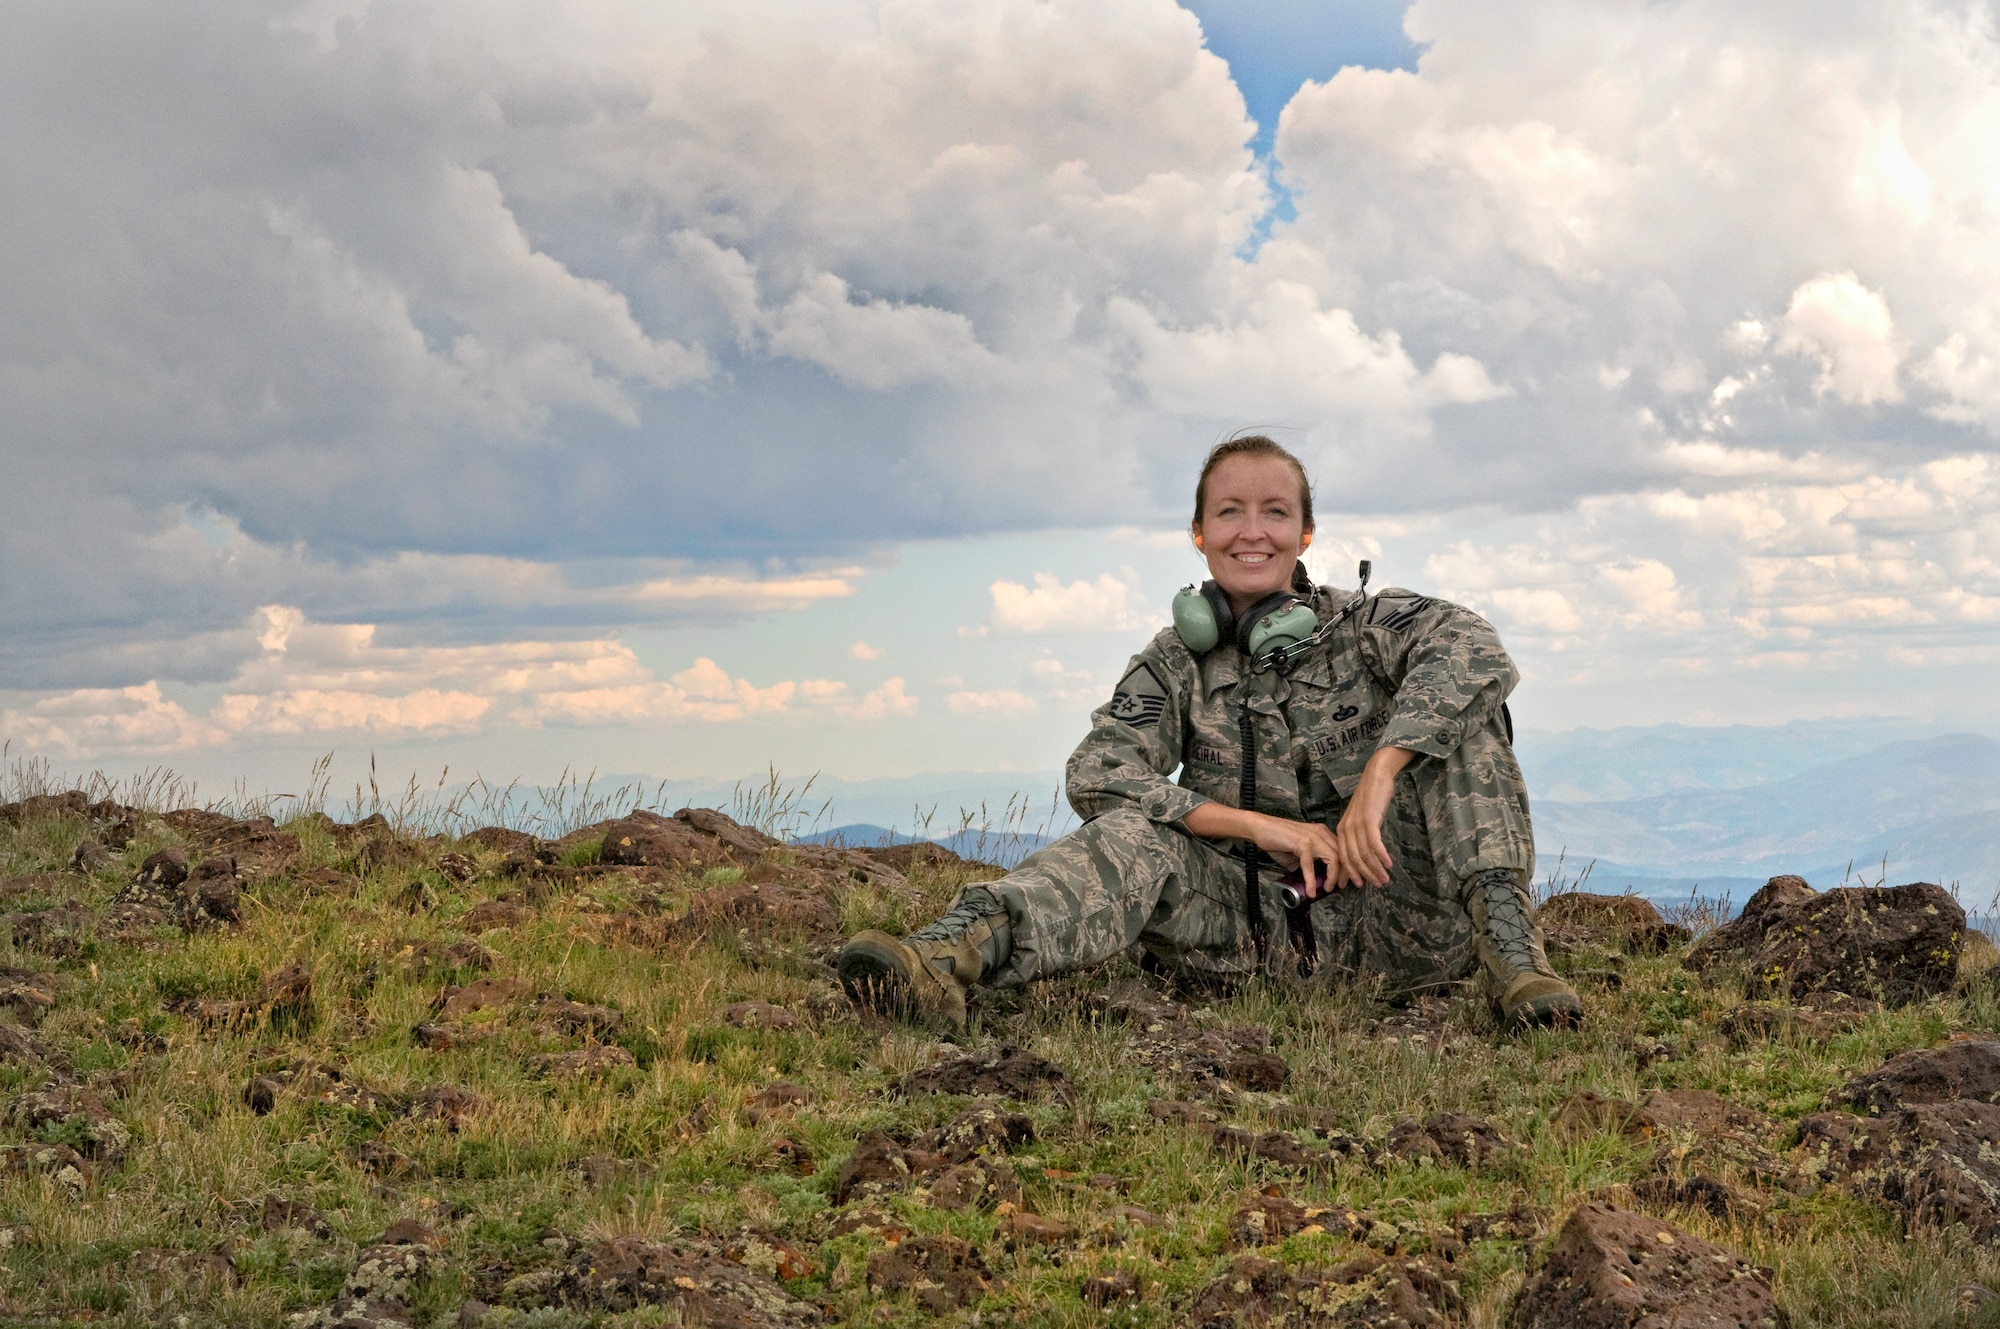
[1358,743]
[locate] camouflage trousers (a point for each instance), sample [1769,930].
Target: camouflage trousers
[1122,878]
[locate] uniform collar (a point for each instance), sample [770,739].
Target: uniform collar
[1225,665]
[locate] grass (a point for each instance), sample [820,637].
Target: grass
[505,1195]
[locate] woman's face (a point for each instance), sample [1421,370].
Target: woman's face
[1251,529]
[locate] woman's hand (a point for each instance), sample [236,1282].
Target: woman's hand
[1361,859]
[1301,844]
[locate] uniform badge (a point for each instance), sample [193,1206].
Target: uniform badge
[1397,613]
[1141,698]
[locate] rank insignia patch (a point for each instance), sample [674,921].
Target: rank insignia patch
[1140,699]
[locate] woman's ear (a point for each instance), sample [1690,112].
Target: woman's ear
[1195,535]
[1305,541]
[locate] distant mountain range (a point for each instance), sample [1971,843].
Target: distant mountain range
[984,846]
[1930,806]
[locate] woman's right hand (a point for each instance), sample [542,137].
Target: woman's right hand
[1306,845]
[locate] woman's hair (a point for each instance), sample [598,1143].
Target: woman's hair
[1253,445]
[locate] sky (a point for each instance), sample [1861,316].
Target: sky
[693,389]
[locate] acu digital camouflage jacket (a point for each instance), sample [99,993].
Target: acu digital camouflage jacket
[1404,670]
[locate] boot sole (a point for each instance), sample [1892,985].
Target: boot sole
[873,976]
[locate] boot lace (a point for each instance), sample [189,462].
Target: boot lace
[1508,926]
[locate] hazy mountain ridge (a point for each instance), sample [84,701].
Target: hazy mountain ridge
[1931,806]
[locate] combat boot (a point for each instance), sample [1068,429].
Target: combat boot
[925,977]
[1525,989]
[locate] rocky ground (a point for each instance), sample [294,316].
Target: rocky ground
[329,1075]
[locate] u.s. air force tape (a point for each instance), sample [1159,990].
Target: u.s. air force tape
[1140,699]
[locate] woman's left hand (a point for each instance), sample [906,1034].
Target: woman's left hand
[1364,860]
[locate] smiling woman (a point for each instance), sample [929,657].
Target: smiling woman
[1370,751]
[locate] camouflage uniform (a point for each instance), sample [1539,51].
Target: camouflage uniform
[1404,670]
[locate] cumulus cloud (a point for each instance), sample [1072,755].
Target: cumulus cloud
[486,319]
[997,704]
[314,680]
[1051,605]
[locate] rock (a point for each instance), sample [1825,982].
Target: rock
[482,994]
[979,1184]
[984,1128]
[494,914]
[761,909]
[1611,1268]
[1270,1217]
[1934,1163]
[1116,1287]
[770,1256]
[1627,923]
[20,1047]
[79,1113]
[203,896]
[1703,1132]
[280,1213]
[1367,1290]
[376,1157]
[595,1060]
[447,1103]
[1896,944]
[164,870]
[1962,1068]
[1238,1056]
[1019,1230]
[999,1072]
[90,856]
[1466,1141]
[60,1163]
[261,1094]
[559,1015]
[940,1272]
[1701,1191]
[691,838]
[286,995]
[1818,1017]
[1587,1112]
[759,1015]
[46,807]
[1273,1147]
[390,1270]
[409,1232]
[775,1102]
[25,994]
[457,868]
[354,1313]
[1138,1005]
[417,957]
[436,1036]
[500,840]
[694,1278]
[877,1165]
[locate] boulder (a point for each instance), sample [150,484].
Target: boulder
[1962,1068]
[1935,1164]
[1366,1290]
[940,1272]
[1627,923]
[999,1072]
[1612,1268]
[694,1278]
[1895,944]
[691,838]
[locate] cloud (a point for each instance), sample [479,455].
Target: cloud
[312,680]
[861,650]
[1050,605]
[1847,327]
[998,704]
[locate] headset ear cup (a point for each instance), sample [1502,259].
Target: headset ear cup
[1225,622]
[1275,600]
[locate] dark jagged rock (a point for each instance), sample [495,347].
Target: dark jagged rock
[691,838]
[1000,1072]
[1365,1291]
[980,1183]
[1896,944]
[1934,1163]
[500,840]
[983,1128]
[1116,1287]
[1627,923]
[877,1165]
[446,1103]
[695,1278]
[1612,1268]
[90,856]
[940,1272]
[46,807]
[79,1113]
[560,1015]
[1270,1217]
[279,1213]
[494,914]
[1962,1068]
[760,908]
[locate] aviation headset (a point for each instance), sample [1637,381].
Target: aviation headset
[1270,632]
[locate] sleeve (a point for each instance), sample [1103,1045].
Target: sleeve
[1134,745]
[1444,663]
